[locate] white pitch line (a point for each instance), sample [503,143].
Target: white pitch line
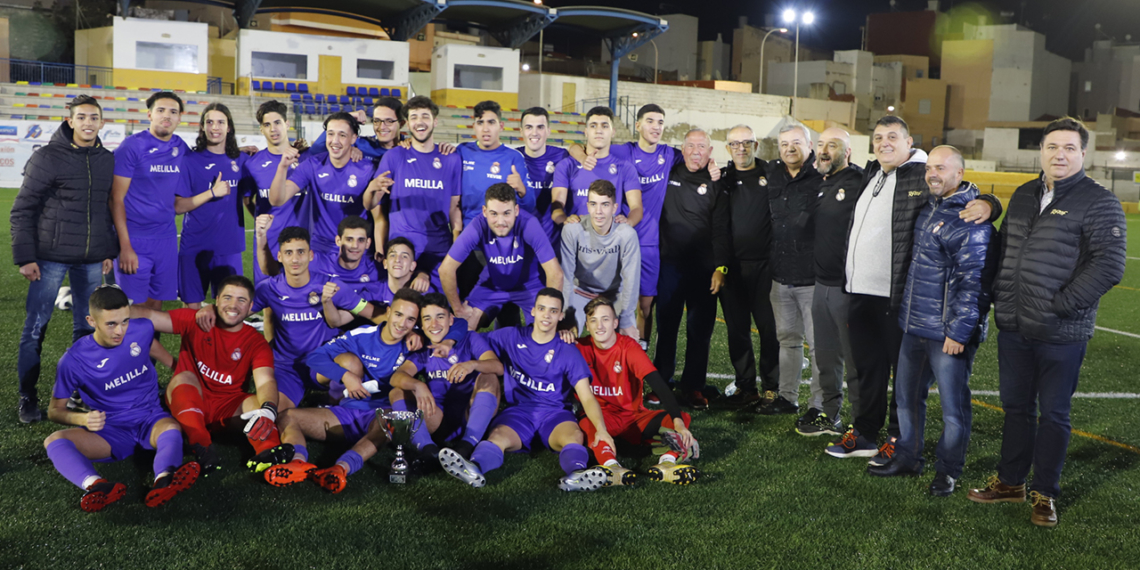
[934,391]
[1134,258]
[1105,329]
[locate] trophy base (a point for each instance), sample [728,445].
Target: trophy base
[397,479]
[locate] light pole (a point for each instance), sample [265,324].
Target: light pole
[760,82]
[806,18]
[540,58]
[654,58]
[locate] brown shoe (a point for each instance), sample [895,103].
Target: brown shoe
[697,400]
[997,492]
[1044,510]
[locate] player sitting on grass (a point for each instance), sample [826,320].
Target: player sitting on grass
[620,370]
[372,352]
[541,373]
[462,390]
[207,393]
[113,373]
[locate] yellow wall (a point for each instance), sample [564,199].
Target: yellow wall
[1001,184]
[94,47]
[967,66]
[930,125]
[470,97]
[223,59]
[328,75]
[148,79]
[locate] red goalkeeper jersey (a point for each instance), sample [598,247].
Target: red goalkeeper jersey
[617,373]
[222,360]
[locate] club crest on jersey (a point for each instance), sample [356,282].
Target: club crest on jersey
[660,159]
[314,298]
[236,355]
[135,350]
[234,166]
[352,181]
[515,244]
[495,168]
[453,359]
[841,195]
[174,152]
[617,368]
[763,181]
[364,279]
[549,356]
[436,163]
[613,169]
[550,166]
[702,189]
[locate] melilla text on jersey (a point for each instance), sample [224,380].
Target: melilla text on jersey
[125,378]
[301,317]
[524,380]
[214,375]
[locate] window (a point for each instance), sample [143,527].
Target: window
[166,57]
[924,106]
[478,77]
[917,139]
[374,69]
[1088,86]
[839,87]
[918,74]
[280,65]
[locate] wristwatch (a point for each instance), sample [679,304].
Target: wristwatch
[723,269]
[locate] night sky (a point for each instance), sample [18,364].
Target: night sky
[1067,24]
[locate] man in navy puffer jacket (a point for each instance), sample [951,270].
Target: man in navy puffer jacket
[942,316]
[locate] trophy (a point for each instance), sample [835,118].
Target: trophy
[400,426]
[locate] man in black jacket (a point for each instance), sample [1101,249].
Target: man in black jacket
[745,297]
[1063,248]
[61,226]
[694,245]
[878,258]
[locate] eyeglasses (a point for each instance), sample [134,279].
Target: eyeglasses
[387,122]
[742,144]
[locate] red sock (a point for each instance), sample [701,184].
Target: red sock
[270,442]
[186,407]
[603,452]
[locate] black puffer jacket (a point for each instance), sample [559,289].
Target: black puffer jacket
[793,201]
[1057,264]
[62,212]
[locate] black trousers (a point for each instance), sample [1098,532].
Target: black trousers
[684,291]
[875,342]
[745,299]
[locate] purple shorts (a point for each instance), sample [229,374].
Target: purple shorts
[202,270]
[133,429]
[532,423]
[454,400]
[485,299]
[354,421]
[650,269]
[293,379]
[157,276]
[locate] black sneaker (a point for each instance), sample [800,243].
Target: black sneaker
[75,403]
[886,452]
[274,456]
[808,417]
[821,425]
[778,406]
[425,461]
[942,485]
[462,447]
[29,410]
[743,398]
[100,494]
[207,457]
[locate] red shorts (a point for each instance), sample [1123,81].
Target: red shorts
[218,407]
[634,427]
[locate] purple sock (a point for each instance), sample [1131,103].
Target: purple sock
[300,452]
[353,460]
[69,462]
[482,410]
[168,451]
[573,457]
[422,437]
[487,456]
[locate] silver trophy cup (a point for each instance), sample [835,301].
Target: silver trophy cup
[400,426]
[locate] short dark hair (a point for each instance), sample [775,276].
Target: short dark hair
[603,188]
[502,192]
[164,95]
[293,232]
[482,107]
[351,223]
[650,108]
[1067,124]
[399,241]
[407,294]
[420,102]
[272,107]
[890,121]
[536,111]
[346,117]
[600,110]
[107,298]
[553,294]
[599,301]
[436,299]
[84,100]
[237,281]
[392,103]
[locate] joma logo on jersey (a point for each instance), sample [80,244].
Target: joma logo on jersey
[425,184]
[165,168]
[505,260]
[125,378]
[214,375]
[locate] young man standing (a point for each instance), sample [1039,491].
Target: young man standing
[541,160]
[541,372]
[386,124]
[112,371]
[148,175]
[488,161]
[514,245]
[572,179]
[61,227]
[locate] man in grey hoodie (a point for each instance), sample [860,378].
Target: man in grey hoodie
[600,257]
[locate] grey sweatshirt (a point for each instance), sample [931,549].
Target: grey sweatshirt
[607,265]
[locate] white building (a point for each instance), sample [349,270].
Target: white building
[1108,77]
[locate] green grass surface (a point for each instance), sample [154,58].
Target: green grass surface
[768,499]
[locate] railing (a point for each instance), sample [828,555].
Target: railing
[46,72]
[216,86]
[625,111]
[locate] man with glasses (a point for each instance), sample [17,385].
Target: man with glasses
[386,125]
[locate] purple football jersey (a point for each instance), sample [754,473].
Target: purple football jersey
[329,264]
[155,170]
[569,174]
[298,325]
[119,381]
[256,179]
[217,225]
[537,375]
[419,203]
[336,194]
[653,175]
[435,368]
[540,180]
[512,260]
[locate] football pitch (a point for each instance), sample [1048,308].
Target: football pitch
[768,498]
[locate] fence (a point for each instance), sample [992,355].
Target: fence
[216,86]
[45,72]
[625,111]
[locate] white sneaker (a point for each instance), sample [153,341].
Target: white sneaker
[590,479]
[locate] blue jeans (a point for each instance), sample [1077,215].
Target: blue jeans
[85,277]
[1036,374]
[922,361]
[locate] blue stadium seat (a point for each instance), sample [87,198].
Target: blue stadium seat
[367,101]
[296,98]
[255,85]
[278,86]
[303,87]
[306,97]
[384,92]
[320,99]
[344,100]
[310,110]
[351,91]
[291,87]
[396,93]
[334,109]
[373,92]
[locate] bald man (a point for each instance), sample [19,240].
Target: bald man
[749,281]
[834,206]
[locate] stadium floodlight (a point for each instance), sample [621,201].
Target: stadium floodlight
[1120,155]
[789,15]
